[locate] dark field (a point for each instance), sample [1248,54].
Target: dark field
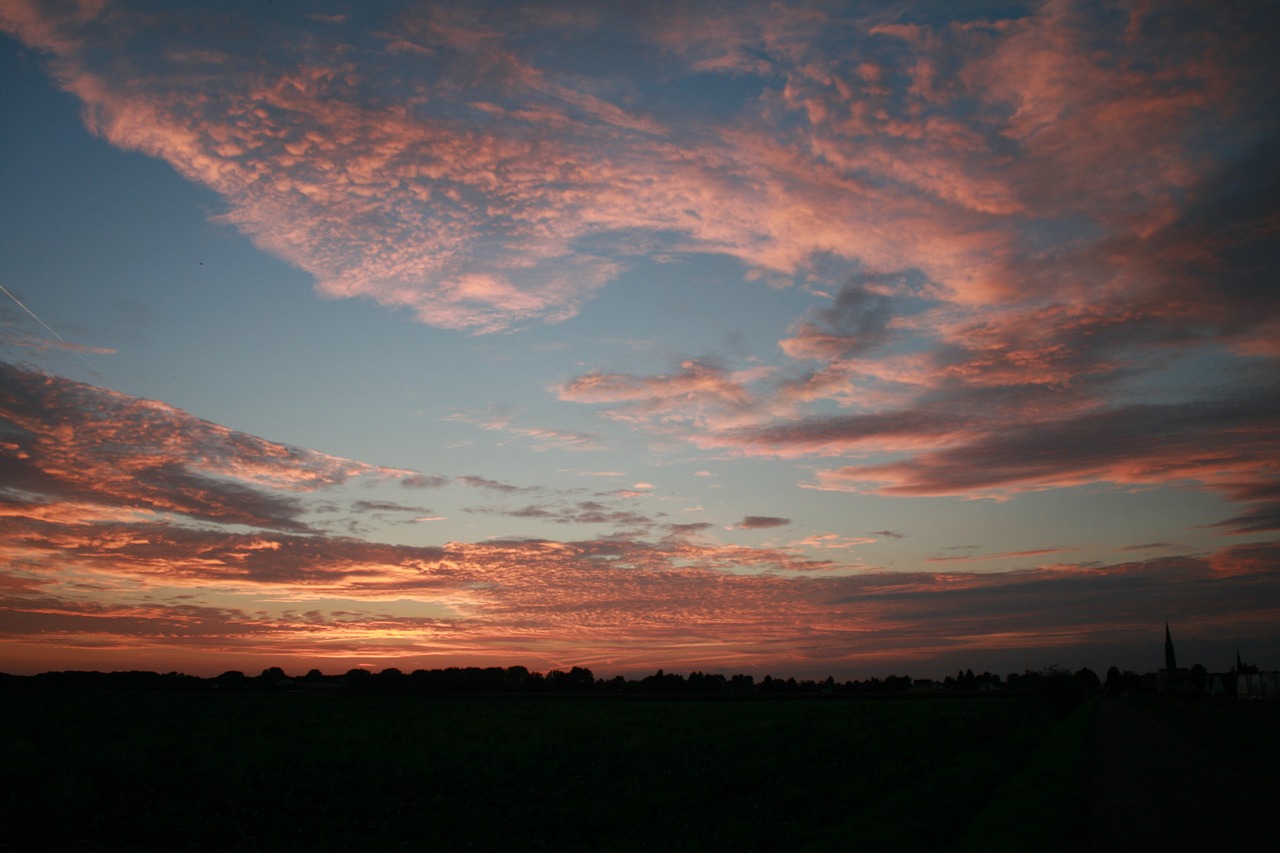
[119,770]
[1245,735]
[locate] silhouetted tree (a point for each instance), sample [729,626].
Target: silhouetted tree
[517,677]
[390,680]
[1087,680]
[663,682]
[233,680]
[580,678]
[1112,685]
[897,683]
[358,679]
[270,678]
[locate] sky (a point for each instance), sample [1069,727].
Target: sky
[800,338]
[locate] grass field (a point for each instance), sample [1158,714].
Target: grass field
[1244,734]
[107,770]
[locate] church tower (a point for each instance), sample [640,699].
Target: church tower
[1170,660]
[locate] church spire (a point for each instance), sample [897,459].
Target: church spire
[1170,660]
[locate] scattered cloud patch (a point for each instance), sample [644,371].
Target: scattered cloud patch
[761,522]
[424,481]
[385,506]
[476,482]
[831,541]
[1006,555]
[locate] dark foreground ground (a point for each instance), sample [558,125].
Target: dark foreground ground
[120,771]
[1189,776]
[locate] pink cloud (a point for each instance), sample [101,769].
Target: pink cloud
[827,541]
[469,197]
[96,452]
[699,392]
[612,603]
[842,434]
[1223,443]
[101,577]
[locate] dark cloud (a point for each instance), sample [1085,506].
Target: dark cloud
[857,322]
[1220,256]
[29,618]
[493,485]
[585,512]
[1005,555]
[1263,496]
[888,534]
[1256,519]
[66,441]
[167,551]
[1054,610]
[424,481]
[386,506]
[761,522]
[84,625]
[693,527]
[1225,442]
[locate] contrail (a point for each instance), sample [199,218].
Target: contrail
[48,328]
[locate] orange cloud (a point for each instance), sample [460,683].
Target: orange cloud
[610,603]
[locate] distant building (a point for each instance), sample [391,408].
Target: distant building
[1243,681]
[1171,679]
[1258,685]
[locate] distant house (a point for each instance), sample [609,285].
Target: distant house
[1258,685]
[1244,681]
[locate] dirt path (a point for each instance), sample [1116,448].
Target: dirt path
[1151,789]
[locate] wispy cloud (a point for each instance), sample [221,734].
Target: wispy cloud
[1006,555]
[492,485]
[70,445]
[700,392]
[583,512]
[827,541]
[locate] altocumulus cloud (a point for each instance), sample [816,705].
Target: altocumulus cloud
[475,166]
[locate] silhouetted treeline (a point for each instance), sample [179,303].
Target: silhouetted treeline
[578,680]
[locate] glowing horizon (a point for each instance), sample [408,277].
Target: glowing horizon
[804,338]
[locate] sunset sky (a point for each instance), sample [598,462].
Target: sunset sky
[791,338]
